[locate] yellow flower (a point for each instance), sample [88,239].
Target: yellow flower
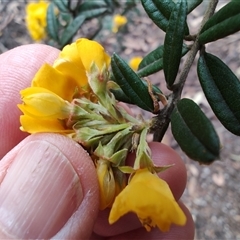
[76,59]
[54,87]
[106,183]
[36,14]
[134,62]
[118,21]
[151,199]
[42,103]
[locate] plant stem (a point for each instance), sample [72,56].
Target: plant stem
[161,122]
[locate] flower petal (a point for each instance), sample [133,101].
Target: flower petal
[91,51]
[42,103]
[55,81]
[34,125]
[151,199]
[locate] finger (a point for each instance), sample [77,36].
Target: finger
[48,189]
[175,177]
[17,68]
[186,232]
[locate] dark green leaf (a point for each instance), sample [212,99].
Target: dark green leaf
[194,132]
[173,42]
[192,4]
[52,24]
[121,96]
[222,90]
[92,9]
[221,24]
[160,12]
[131,84]
[71,30]
[153,62]
[61,5]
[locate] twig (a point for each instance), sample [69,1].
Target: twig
[161,122]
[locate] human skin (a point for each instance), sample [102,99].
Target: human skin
[64,164]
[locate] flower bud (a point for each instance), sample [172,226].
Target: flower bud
[106,183]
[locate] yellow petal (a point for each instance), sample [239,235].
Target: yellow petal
[42,103]
[69,54]
[91,51]
[34,125]
[151,199]
[106,183]
[72,71]
[53,80]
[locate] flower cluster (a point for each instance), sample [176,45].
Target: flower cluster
[118,22]
[72,97]
[36,19]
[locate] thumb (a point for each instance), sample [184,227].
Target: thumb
[48,189]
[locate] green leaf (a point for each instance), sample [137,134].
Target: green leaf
[160,12]
[221,24]
[61,5]
[71,30]
[222,90]
[131,84]
[173,42]
[92,9]
[52,24]
[194,132]
[192,4]
[153,62]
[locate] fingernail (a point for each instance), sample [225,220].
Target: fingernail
[39,193]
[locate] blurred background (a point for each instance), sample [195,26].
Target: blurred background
[213,192]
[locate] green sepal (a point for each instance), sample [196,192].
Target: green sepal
[221,24]
[61,5]
[222,90]
[160,12]
[192,4]
[194,132]
[131,84]
[173,42]
[52,24]
[153,62]
[92,9]
[71,30]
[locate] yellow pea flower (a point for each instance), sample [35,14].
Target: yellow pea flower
[36,14]
[54,87]
[151,199]
[44,111]
[134,62]
[118,21]
[42,103]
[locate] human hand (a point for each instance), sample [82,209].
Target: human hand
[48,183]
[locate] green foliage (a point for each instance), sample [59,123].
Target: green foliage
[222,90]
[223,23]
[192,4]
[173,42]
[131,84]
[153,62]
[65,17]
[194,132]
